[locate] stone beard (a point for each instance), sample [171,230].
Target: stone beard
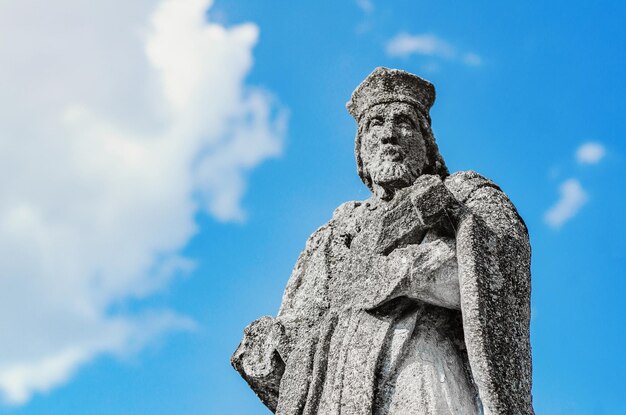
[391,147]
[415,301]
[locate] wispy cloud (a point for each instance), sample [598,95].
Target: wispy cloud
[111,141]
[367,6]
[590,153]
[428,44]
[472,59]
[572,198]
[367,22]
[405,44]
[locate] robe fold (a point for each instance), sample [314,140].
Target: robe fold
[371,345]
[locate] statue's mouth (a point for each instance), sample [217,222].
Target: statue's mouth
[391,153]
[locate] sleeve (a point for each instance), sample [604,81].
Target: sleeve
[306,299]
[263,355]
[493,253]
[425,272]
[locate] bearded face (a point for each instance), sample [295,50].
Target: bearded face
[392,147]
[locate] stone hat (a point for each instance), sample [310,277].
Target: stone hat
[391,85]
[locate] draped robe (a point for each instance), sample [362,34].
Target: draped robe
[362,334]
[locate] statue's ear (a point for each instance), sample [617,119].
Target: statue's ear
[360,167]
[434,163]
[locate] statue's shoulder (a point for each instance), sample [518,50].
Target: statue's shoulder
[463,184]
[486,200]
[345,213]
[346,210]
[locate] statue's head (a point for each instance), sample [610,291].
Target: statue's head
[394,142]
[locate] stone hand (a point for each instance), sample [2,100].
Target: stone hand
[433,201]
[258,359]
[425,273]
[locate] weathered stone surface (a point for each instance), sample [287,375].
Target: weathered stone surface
[415,301]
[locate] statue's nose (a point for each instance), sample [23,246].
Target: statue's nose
[388,135]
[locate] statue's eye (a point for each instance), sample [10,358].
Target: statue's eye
[406,123]
[376,121]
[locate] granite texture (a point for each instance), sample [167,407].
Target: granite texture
[415,301]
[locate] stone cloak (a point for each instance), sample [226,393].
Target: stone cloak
[493,257]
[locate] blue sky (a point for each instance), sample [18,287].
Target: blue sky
[164,161]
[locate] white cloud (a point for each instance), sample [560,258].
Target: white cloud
[405,44]
[590,153]
[119,121]
[572,198]
[472,59]
[428,44]
[430,67]
[365,5]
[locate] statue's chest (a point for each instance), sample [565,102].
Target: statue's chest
[361,239]
[371,229]
[351,237]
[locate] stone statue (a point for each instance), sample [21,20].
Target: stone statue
[415,301]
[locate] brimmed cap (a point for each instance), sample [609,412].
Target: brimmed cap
[385,85]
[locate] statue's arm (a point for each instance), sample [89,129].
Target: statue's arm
[431,274]
[259,361]
[493,254]
[264,351]
[427,271]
